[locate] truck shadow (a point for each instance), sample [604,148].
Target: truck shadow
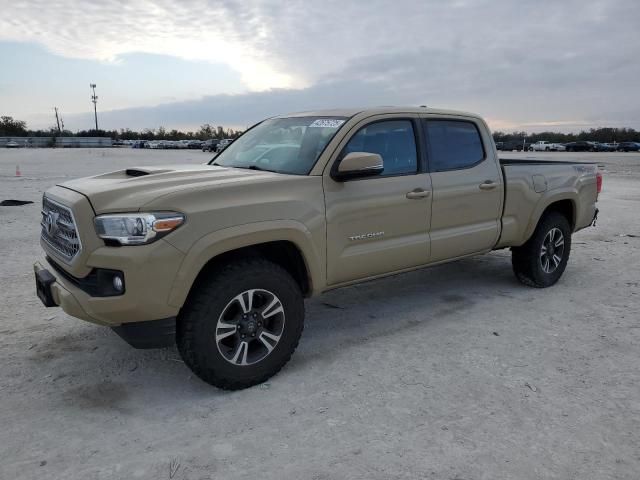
[335,321]
[383,308]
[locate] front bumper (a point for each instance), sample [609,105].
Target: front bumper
[53,293]
[146,334]
[148,270]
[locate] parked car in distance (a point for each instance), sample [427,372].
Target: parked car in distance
[210,145]
[579,146]
[602,147]
[224,143]
[218,258]
[194,144]
[12,144]
[511,145]
[544,146]
[629,146]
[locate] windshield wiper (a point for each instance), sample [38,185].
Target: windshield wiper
[255,167]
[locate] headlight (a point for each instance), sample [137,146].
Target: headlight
[137,228]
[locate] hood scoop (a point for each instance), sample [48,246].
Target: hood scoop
[134,172]
[141,172]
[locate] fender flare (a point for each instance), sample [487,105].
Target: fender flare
[544,203]
[246,235]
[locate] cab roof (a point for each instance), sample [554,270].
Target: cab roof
[351,112]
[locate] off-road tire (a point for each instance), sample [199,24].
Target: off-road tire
[526,259]
[196,324]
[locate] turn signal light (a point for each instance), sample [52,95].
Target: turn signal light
[167,224]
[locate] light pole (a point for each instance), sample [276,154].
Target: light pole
[94,99]
[57,119]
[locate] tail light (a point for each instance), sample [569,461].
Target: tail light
[599,181]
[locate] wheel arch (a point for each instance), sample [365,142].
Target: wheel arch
[288,244]
[281,252]
[566,207]
[563,203]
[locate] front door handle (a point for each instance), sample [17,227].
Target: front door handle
[418,193]
[488,185]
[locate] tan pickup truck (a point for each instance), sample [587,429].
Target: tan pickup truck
[219,257]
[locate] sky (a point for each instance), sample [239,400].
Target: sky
[561,65]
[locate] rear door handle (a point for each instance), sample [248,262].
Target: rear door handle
[418,193]
[488,185]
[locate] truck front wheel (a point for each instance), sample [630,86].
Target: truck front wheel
[241,324]
[541,261]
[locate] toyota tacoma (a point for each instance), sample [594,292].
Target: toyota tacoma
[219,257]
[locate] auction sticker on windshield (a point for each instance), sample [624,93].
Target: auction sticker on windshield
[327,123]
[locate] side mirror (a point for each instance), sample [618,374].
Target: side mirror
[359,164]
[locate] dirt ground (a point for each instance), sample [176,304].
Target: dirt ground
[455,372]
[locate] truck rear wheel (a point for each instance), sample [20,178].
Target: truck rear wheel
[541,261]
[241,324]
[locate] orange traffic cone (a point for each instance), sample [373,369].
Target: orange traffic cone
[18,174]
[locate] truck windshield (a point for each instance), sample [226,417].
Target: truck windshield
[284,145]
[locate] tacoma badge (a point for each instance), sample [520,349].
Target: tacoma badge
[366,236]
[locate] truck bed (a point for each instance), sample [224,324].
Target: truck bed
[531,184]
[533,161]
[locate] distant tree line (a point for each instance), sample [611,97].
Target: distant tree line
[205,132]
[602,135]
[12,128]
[9,127]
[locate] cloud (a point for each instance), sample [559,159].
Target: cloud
[190,29]
[515,62]
[239,110]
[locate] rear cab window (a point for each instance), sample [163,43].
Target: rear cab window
[452,144]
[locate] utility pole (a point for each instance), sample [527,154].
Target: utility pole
[94,99]
[57,119]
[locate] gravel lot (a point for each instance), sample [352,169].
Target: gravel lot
[455,372]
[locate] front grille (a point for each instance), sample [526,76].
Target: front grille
[59,229]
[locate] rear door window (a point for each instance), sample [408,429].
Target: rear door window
[452,144]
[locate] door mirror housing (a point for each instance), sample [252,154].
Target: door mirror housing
[359,164]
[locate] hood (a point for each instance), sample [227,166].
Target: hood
[131,189]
